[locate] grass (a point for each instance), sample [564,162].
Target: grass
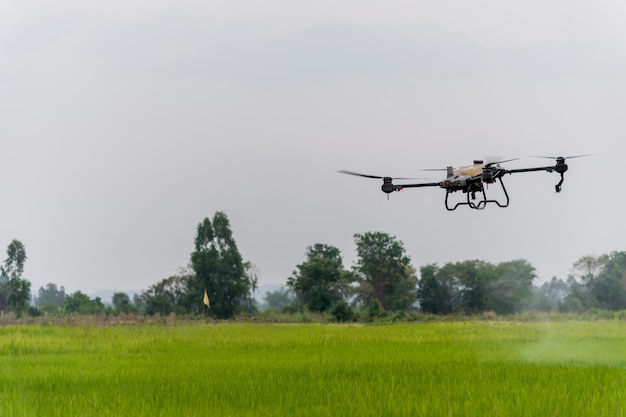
[425,369]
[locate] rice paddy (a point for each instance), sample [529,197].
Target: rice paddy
[422,369]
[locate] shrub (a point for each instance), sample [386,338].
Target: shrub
[342,312]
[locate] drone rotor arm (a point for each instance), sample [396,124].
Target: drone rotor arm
[399,187]
[560,168]
[534,169]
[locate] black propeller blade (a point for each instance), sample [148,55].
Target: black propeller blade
[489,164]
[561,157]
[343,171]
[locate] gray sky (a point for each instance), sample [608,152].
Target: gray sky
[124,123]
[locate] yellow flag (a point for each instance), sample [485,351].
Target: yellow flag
[206,299]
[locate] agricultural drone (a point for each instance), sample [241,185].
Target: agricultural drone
[473,179]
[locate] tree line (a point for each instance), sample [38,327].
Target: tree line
[381,280]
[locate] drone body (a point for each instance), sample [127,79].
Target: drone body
[472,179]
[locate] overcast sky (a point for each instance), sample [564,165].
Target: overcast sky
[124,123]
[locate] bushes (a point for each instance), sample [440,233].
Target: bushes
[342,312]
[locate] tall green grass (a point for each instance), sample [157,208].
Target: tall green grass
[426,369]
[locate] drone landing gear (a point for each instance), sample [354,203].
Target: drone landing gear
[481,204]
[462,203]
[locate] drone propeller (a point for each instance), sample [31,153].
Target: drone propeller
[561,157]
[343,171]
[560,167]
[489,164]
[489,161]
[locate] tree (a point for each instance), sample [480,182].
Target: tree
[170,295]
[587,268]
[123,305]
[14,290]
[386,276]
[439,289]
[511,290]
[608,288]
[4,290]
[51,296]
[597,282]
[476,286]
[455,287]
[219,268]
[278,299]
[551,295]
[429,293]
[475,279]
[320,281]
[578,298]
[16,258]
[80,303]
[342,311]
[19,294]
[252,274]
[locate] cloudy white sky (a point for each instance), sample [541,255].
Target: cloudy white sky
[124,123]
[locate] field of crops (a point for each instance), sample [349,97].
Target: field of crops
[422,369]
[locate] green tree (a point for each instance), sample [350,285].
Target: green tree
[551,295]
[385,274]
[439,289]
[219,268]
[122,303]
[588,267]
[578,298]
[320,281]
[19,295]
[342,311]
[14,290]
[51,296]
[475,286]
[278,299]
[4,290]
[429,294]
[252,274]
[511,290]
[80,303]
[16,258]
[608,288]
[170,295]
[475,280]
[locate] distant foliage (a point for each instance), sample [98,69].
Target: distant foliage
[80,303]
[382,286]
[597,282]
[551,295]
[50,298]
[123,304]
[278,299]
[170,295]
[476,287]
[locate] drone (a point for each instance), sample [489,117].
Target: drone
[474,179]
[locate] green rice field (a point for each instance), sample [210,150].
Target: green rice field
[464,368]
